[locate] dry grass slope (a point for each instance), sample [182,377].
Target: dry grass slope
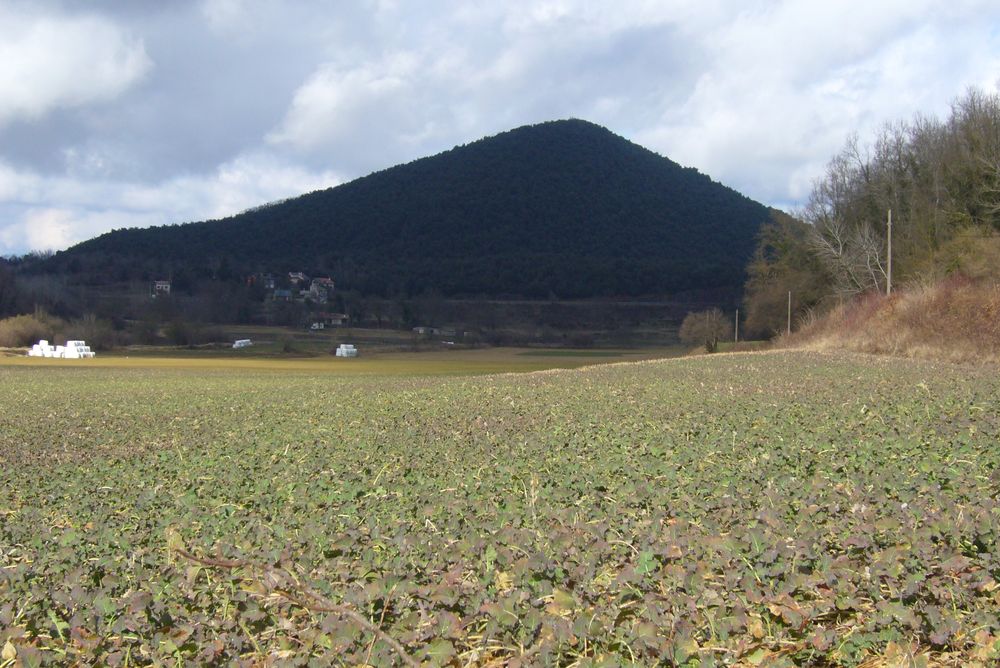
[956,320]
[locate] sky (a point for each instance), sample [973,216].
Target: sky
[141,112]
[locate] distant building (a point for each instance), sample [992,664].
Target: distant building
[319,290]
[332,319]
[268,281]
[282,295]
[437,331]
[159,288]
[324,281]
[297,277]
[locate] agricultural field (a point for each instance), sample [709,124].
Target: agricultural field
[372,362]
[762,509]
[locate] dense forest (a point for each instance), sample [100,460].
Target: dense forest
[564,209]
[941,181]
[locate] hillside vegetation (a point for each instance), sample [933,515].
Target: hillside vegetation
[955,319]
[564,209]
[940,179]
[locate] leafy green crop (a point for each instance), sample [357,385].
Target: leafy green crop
[763,509]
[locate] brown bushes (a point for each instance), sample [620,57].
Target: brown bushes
[24,330]
[21,331]
[956,319]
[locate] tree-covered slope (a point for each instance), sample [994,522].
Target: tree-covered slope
[564,208]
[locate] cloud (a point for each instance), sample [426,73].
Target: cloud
[334,101]
[251,101]
[91,207]
[51,61]
[44,228]
[478,71]
[47,229]
[787,83]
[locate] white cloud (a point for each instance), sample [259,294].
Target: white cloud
[247,181]
[334,100]
[790,81]
[223,14]
[48,62]
[91,207]
[47,229]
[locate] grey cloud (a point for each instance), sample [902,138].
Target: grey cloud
[242,101]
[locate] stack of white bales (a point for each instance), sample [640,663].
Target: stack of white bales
[346,350]
[42,349]
[73,350]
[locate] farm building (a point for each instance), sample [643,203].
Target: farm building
[319,290]
[332,319]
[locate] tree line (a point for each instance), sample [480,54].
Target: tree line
[564,209]
[941,180]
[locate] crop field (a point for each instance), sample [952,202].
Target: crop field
[378,363]
[762,509]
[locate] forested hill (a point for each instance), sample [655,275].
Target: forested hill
[563,208]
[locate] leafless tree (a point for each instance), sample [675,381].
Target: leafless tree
[705,327]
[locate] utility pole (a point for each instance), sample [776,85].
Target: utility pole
[736,337]
[888,271]
[789,312]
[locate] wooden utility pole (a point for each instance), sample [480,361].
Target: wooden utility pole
[736,336]
[789,312]
[888,271]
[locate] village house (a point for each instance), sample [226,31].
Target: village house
[159,288]
[319,290]
[297,277]
[266,281]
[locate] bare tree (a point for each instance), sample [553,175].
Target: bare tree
[941,179]
[705,327]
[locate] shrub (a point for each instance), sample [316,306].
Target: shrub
[705,327]
[99,334]
[25,330]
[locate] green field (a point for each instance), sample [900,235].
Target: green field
[762,509]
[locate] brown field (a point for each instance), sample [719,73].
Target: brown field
[422,363]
